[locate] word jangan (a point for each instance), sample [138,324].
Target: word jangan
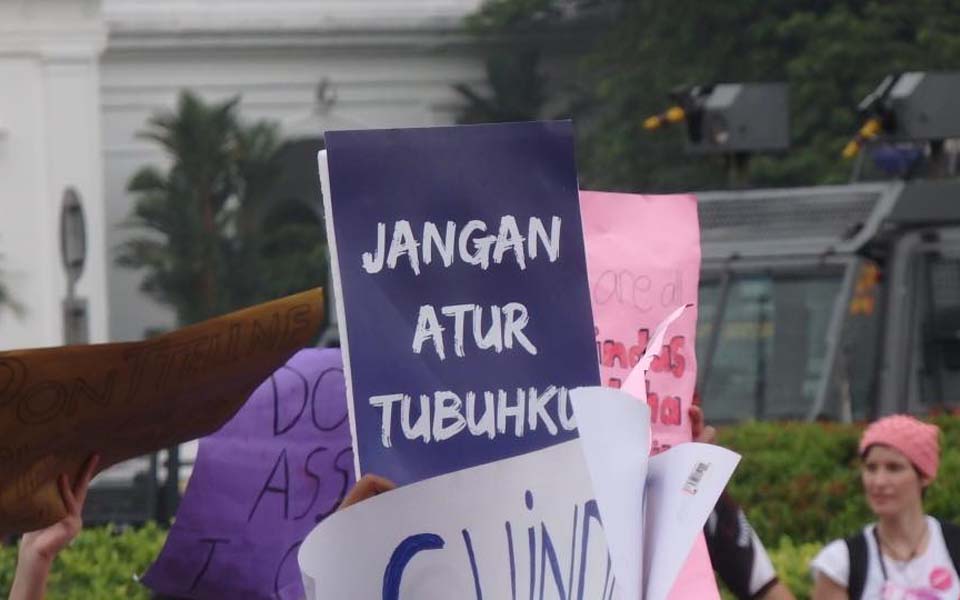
[468,244]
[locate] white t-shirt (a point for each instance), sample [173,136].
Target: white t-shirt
[930,576]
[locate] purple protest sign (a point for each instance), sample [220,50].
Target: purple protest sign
[260,484]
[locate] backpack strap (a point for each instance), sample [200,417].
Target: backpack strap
[857,549]
[951,535]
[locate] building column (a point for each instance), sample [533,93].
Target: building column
[49,142]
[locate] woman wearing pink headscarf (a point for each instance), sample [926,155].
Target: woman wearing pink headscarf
[906,554]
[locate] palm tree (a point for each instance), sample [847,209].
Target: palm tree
[516,86]
[208,242]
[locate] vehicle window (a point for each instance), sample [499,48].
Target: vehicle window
[936,369]
[771,350]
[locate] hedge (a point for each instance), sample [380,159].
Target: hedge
[802,481]
[798,483]
[101,563]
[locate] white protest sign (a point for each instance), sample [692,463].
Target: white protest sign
[525,527]
[653,510]
[648,562]
[683,485]
[636,383]
[530,525]
[615,433]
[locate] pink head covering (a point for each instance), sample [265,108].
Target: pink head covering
[918,441]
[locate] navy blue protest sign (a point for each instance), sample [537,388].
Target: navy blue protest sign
[464,305]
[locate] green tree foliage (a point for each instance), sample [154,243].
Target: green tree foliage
[831,53]
[213,238]
[512,33]
[516,86]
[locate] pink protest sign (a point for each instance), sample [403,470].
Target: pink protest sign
[643,261]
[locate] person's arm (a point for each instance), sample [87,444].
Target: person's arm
[778,592]
[825,588]
[39,548]
[738,563]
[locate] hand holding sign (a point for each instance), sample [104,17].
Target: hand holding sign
[39,548]
[47,543]
[705,434]
[59,405]
[368,487]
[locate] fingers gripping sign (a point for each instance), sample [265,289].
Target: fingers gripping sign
[368,487]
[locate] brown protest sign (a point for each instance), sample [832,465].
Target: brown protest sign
[59,405]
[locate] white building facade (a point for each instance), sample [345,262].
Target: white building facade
[79,79]
[50,141]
